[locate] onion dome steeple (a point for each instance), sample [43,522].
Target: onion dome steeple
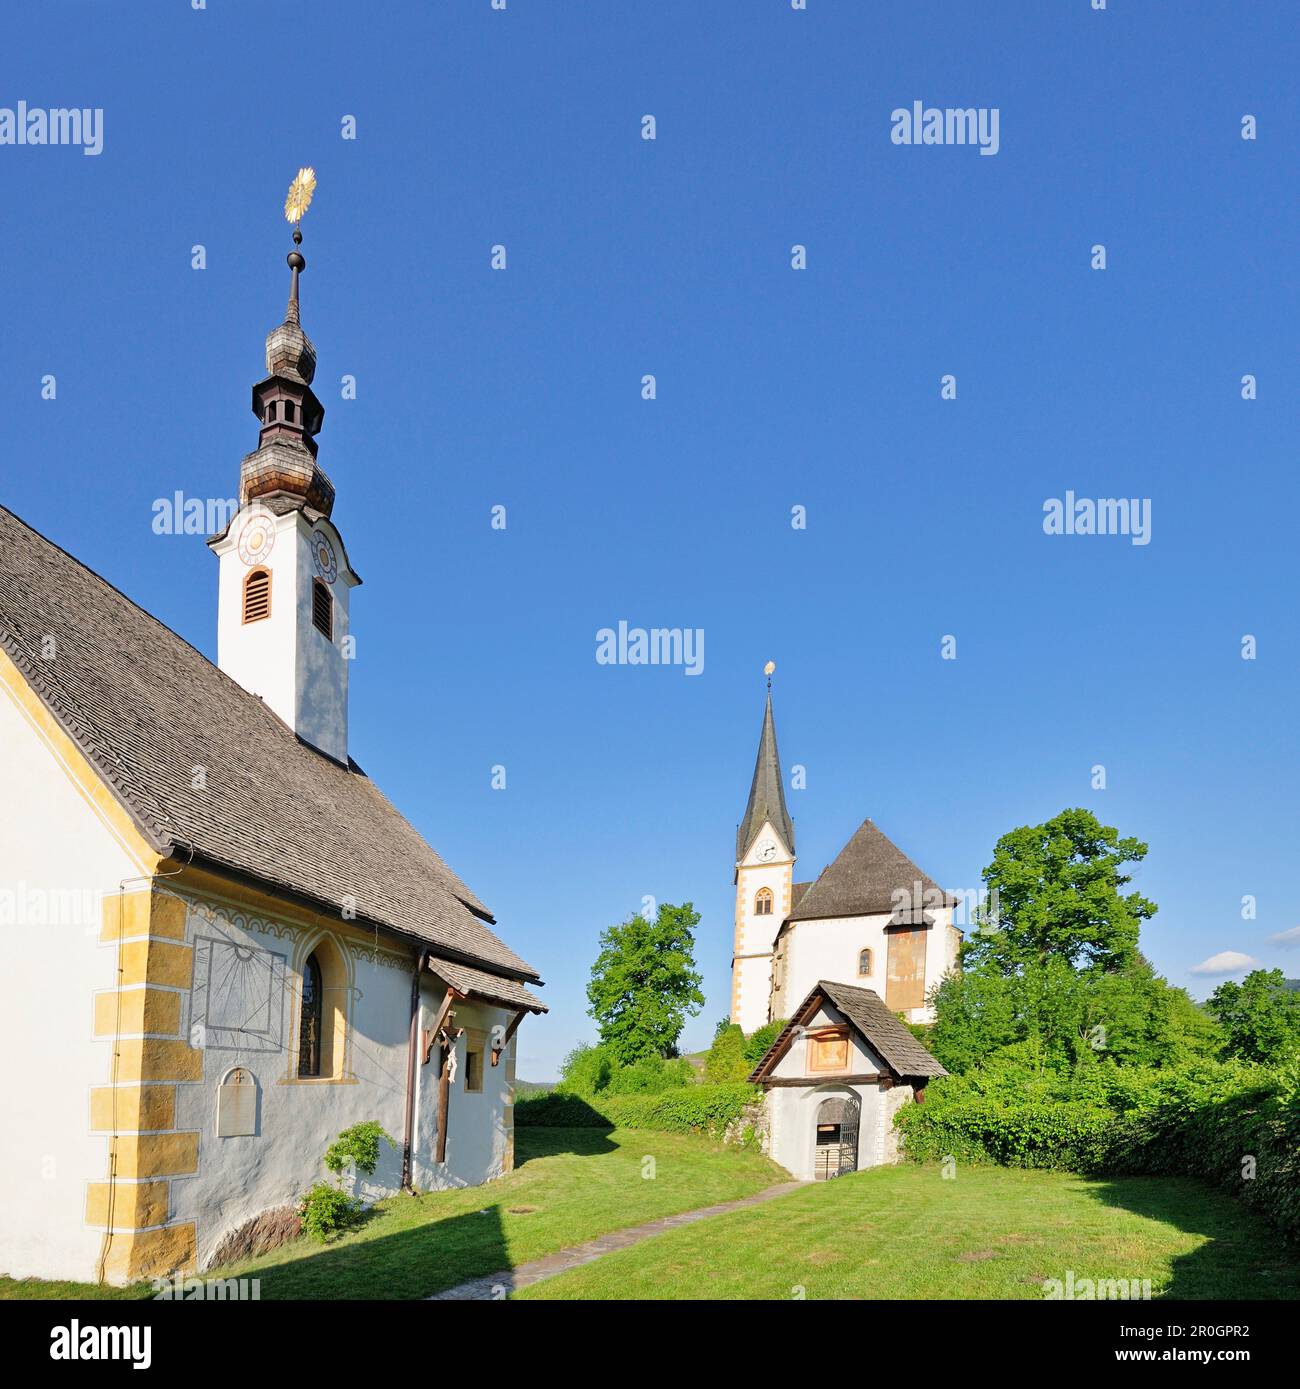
[287,409]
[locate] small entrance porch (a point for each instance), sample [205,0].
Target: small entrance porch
[836,1148]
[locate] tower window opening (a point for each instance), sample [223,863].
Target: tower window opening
[257,595]
[763,902]
[322,609]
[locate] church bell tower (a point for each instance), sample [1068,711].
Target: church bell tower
[764,875]
[283,628]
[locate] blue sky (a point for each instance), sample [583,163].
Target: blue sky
[776,388]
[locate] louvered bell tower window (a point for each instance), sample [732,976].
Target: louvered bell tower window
[322,609]
[257,595]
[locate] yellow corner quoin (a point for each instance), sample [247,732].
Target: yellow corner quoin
[150,1253]
[145,912]
[158,1058]
[156,1154]
[155,962]
[132,1108]
[125,1011]
[134,1205]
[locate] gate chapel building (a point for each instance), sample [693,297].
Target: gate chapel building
[222,945]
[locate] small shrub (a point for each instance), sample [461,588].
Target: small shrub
[359,1146]
[325,1211]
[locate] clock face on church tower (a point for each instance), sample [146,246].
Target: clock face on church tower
[257,537]
[322,553]
[766,851]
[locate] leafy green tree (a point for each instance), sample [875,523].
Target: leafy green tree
[1055,890]
[758,1041]
[1260,1016]
[644,984]
[975,1015]
[1065,1018]
[725,1060]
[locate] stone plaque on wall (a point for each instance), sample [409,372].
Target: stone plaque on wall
[237,1104]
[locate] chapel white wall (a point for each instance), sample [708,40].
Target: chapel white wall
[55,845]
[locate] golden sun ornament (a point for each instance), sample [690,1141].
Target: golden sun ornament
[299,198]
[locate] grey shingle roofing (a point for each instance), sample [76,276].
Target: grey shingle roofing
[867,1012]
[466,980]
[869,870]
[148,709]
[766,793]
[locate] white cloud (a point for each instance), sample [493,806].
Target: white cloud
[1291,937]
[1226,962]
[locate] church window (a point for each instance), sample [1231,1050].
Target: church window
[828,1050]
[290,411]
[474,1070]
[864,962]
[309,1029]
[322,609]
[763,902]
[257,595]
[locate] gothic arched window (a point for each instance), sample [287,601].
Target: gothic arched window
[763,902]
[309,1029]
[864,962]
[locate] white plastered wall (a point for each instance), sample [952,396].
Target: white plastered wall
[752,957]
[830,949]
[59,857]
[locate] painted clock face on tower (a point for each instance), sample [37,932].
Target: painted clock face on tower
[257,538]
[765,852]
[327,565]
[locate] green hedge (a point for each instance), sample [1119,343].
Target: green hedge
[1246,1141]
[695,1109]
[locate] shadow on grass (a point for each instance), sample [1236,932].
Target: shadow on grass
[1242,1257]
[409,1263]
[571,1126]
[428,1257]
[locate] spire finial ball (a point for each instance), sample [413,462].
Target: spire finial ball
[769,668]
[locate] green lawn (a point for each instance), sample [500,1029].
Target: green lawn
[570,1185]
[905,1232]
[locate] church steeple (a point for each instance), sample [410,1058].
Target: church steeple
[764,882]
[289,413]
[283,624]
[766,803]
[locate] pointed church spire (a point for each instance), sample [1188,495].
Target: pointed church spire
[766,794]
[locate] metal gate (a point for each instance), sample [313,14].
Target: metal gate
[836,1153]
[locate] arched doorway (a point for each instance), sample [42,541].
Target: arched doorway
[836,1151]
